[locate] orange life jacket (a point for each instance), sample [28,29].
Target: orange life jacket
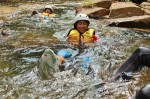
[74,37]
[47,14]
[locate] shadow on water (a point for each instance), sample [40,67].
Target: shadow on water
[27,37]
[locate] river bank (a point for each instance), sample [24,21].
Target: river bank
[119,14]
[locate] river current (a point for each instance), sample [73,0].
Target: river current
[24,38]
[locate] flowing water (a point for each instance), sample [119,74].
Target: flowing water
[24,38]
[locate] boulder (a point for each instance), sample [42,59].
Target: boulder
[96,12]
[146,7]
[102,3]
[142,22]
[146,12]
[124,9]
[138,1]
[120,14]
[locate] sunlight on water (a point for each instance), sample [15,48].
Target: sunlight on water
[28,37]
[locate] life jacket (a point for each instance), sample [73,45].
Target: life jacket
[47,14]
[74,37]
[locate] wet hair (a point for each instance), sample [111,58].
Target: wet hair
[47,8]
[33,13]
[143,93]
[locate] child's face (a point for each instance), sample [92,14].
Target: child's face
[48,11]
[82,26]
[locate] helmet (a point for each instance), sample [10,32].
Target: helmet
[49,7]
[81,17]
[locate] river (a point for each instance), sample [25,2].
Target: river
[24,38]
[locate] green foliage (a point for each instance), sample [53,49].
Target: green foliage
[88,4]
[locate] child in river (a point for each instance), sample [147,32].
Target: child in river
[80,35]
[47,12]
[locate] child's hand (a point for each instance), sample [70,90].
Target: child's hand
[34,12]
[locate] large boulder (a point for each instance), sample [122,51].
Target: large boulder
[146,12]
[138,1]
[96,12]
[121,9]
[146,7]
[120,14]
[142,22]
[102,3]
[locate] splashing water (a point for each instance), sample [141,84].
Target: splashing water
[22,49]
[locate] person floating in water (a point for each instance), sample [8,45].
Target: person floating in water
[81,33]
[139,58]
[78,36]
[46,13]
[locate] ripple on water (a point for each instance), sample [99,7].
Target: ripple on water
[20,55]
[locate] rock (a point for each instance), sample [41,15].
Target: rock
[121,9]
[146,7]
[79,9]
[146,12]
[138,1]
[100,8]
[95,12]
[1,23]
[103,3]
[142,22]
[143,93]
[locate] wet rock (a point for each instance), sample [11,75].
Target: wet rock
[146,7]
[147,11]
[7,32]
[126,76]
[95,12]
[103,3]
[142,22]
[143,93]
[121,14]
[138,1]
[128,9]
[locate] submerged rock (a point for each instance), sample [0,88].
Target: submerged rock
[143,93]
